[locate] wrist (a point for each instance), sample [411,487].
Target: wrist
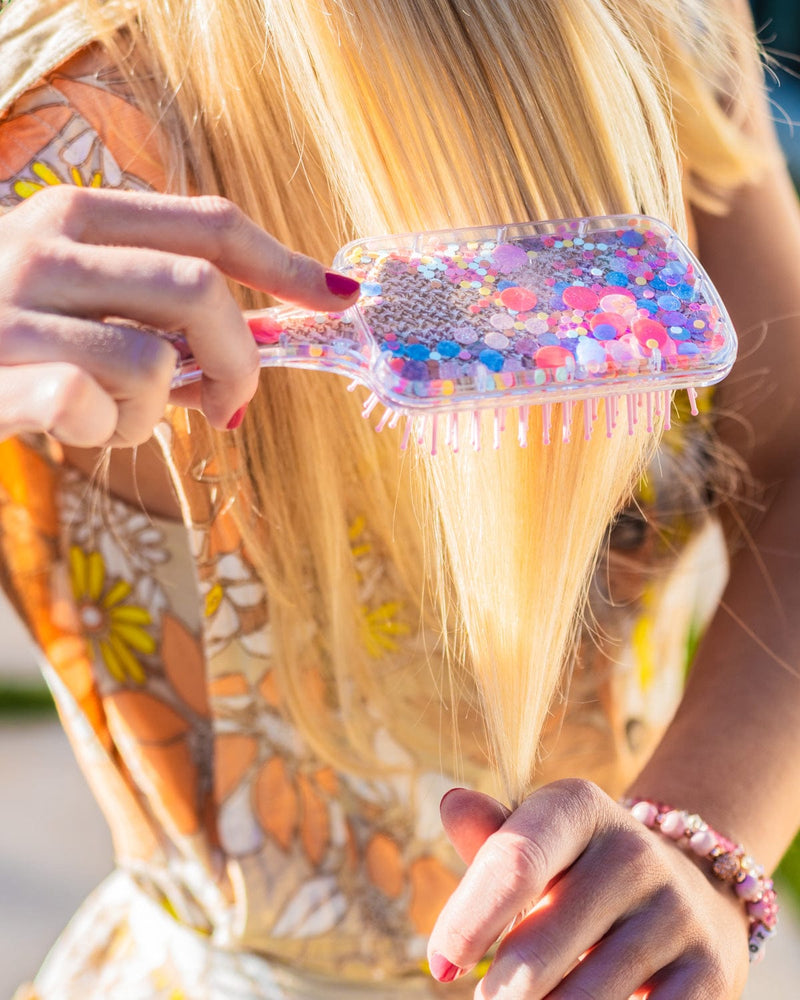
[726,861]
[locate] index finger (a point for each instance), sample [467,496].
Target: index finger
[513,868]
[212,228]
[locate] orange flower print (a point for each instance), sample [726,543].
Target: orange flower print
[115,629]
[155,739]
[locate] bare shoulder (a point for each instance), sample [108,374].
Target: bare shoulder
[137,476]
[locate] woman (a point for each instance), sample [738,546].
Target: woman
[271,703]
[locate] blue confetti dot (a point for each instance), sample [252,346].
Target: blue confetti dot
[659,284]
[688,348]
[371,288]
[632,239]
[669,302]
[492,359]
[448,348]
[605,331]
[617,279]
[685,292]
[417,352]
[647,304]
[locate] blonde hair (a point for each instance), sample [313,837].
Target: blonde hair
[326,121]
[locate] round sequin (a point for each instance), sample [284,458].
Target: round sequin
[497,341]
[492,359]
[579,297]
[518,299]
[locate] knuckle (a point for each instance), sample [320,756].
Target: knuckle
[534,957]
[18,329]
[153,360]
[68,394]
[39,262]
[674,908]
[466,941]
[712,972]
[521,860]
[219,216]
[63,203]
[295,269]
[196,277]
[588,801]
[635,853]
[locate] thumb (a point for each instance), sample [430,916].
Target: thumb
[469,818]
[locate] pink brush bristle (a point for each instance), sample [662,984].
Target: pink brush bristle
[587,419]
[406,433]
[544,314]
[475,430]
[522,435]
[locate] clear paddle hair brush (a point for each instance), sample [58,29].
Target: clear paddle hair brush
[612,308]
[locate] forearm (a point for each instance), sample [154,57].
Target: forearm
[733,750]
[732,753]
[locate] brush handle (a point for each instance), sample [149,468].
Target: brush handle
[290,337]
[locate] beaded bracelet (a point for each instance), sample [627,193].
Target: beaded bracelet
[729,863]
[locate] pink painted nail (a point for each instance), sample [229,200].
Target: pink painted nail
[237,418]
[340,285]
[442,970]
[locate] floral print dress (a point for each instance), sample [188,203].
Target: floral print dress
[247,868]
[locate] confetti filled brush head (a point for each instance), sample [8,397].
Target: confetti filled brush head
[515,315]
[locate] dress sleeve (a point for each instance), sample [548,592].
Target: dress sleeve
[78,126]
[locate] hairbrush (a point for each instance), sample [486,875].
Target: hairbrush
[613,308]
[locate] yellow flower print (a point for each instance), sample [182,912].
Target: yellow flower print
[49,178]
[116,630]
[379,628]
[359,546]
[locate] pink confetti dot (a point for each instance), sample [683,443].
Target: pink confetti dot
[650,333]
[619,323]
[552,356]
[519,299]
[579,297]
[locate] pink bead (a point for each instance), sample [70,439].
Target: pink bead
[673,825]
[759,909]
[748,889]
[645,812]
[702,843]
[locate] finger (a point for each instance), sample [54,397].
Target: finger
[469,818]
[623,962]
[60,399]
[133,366]
[679,981]
[705,975]
[579,910]
[212,228]
[162,290]
[512,869]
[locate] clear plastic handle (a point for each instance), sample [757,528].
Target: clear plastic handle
[290,337]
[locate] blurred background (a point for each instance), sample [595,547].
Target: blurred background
[54,847]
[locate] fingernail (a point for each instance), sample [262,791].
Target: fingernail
[237,418]
[448,793]
[340,284]
[442,970]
